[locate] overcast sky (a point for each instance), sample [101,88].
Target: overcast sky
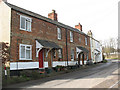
[99,16]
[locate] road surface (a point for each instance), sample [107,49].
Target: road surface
[104,75]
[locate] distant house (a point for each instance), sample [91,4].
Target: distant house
[96,49]
[38,42]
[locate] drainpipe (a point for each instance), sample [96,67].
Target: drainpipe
[18,56]
[66,47]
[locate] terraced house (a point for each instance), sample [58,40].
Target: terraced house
[38,42]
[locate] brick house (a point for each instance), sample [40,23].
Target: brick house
[39,42]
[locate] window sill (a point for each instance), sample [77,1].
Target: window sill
[25,59]
[59,39]
[25,30]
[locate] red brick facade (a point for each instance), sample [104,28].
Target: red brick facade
[46,31]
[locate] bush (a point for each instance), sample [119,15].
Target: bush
[89,62]
[104,61]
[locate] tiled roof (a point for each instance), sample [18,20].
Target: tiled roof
[83,49]
[48,44]
[43,18]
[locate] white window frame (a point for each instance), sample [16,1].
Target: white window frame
[59,33]
[25,23]
[86,41]
[72,54]
[25,52]
[71,36]
[60,53]
[87,57]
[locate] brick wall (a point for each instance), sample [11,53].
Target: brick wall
[41,30]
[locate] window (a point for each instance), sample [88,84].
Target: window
[60,53]
[71,36]
[72,55]
[79,39]
[87,57]
[25,52]
[59,33]
[25,23]
[54,54]
[86,42]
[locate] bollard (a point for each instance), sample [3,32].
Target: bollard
[5,72]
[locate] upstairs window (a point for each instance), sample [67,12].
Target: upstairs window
[59,33]
[86,41]
[25,23]
[79,39]
[71,36]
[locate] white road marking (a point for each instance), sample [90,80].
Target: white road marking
[114,84]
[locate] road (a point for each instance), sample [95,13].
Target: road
[103,75]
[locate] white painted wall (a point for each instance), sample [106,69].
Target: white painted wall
[98,46]
[45,64]
[35,65]
[95,45]
[64,63]
[26,65]
[23,65]
[5,22]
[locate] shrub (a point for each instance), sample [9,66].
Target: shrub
[104,61]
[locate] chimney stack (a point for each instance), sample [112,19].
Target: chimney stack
[79,26]
[90,33]
[53,15]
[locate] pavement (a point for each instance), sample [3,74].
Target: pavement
[105,75]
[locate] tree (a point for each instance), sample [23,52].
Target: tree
[109,46]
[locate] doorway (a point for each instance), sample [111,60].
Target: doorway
[41,59]
[50,59]
[83,59]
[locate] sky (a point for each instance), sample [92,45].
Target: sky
[99,16]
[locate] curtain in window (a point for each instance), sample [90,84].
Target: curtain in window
[22,23]
[28,24]
[60,53]
[22,51]
[71,36]
[59,33]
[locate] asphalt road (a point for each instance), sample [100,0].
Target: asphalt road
[105,75]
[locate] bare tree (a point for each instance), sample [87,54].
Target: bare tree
[109,46]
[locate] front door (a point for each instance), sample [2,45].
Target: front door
[50,59]
[82,59]
[41,58]
[79,59]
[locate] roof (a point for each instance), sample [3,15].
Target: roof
[43,18]
[83,49]
[48,44]
[97,50]
[95,39]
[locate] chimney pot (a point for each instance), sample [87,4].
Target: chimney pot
[53,11]
[53,15]
[79,26]
[90,33]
